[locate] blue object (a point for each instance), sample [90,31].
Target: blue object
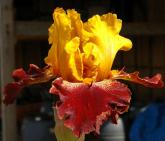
[149,125]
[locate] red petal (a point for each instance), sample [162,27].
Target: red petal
[85,107]
[153,82]
[33,76]
[19,74]
[11,90]
[35,70]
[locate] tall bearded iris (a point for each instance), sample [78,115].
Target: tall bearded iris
[80,60]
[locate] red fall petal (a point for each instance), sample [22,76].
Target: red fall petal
[22,78]
[19,74]
[11,91]
[83,108]
[153,82]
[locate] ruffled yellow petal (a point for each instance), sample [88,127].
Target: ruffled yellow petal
[91,59]
[62,35]
[52,59]
[77,24]
[104,33]
[84,51]
[113,23]
[73,61]
[122,43]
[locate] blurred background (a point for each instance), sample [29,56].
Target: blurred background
[24,40]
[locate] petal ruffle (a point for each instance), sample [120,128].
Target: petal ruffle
[33,76]
[104,35]
[83,108]
[64,55]
[153,82]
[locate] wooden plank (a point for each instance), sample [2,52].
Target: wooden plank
[32,30]
[144,29]
[8,114]
[39,30]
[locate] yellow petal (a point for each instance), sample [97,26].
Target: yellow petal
[113,23]
[72,66]
[63,37]
[52,59]
[59,34]
[104,33]
[77,24]
[122,43]
[91,59]
[84,51]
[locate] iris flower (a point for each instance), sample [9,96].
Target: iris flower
[80,64]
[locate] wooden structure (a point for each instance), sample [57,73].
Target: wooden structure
[7,63]
[146,29]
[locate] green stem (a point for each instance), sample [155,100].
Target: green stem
[63,133]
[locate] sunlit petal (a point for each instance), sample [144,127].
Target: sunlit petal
[104,34]
[64,55]
[71,65]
